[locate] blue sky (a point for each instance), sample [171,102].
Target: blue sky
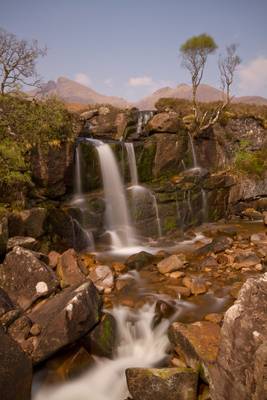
[129,48]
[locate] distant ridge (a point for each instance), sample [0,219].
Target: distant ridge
[73,92]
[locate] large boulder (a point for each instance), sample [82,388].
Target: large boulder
[164,383]
[27,222]
[197,344]
[26,278]
[166,122]
[63,319]
[15,370]
[3,235]
[240,372]
[139,260]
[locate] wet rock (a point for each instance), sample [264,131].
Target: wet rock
[5,303]
[171,264]
[102,340]
[197,285]
[259,239]
[240,372]
[20,329]
[22,241]
[164,309]
[15,370]
[213,317]
[27,222]
[64,319]
[68,365]
[208,262]
[218,245]
[8,318]
[139,260]
[165,383]
[25,278]
[68,269]
[119,267]
[3,235]
[102,276]
[176,274]
[86,262]
[197,344]
[53,259]
[247,259]
[252,214]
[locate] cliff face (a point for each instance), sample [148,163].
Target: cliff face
[220,172]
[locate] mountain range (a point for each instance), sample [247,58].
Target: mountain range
[73,92]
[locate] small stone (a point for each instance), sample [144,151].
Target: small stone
[213,317]
[196,285]
[176,274]
[41,288]
[102,277]
[171,264]
[178,363]
[35,330]
[265,218]
[119,267]
[259,267]
[53,258]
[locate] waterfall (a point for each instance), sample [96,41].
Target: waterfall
[132,163]
[137,189]
[195,163]
[140,344]
[78,177]
[204,205]
[116,214]
[143,118]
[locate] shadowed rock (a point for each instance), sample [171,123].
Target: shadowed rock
[25,278]
[15,370]
[64,319]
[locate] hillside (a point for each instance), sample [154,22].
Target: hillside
[73,92]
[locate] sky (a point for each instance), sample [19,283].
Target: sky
[130,48]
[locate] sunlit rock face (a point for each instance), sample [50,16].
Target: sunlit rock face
[240,372]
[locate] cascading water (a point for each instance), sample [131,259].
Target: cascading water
[143,118]
[138,190]
[116,214]
[195,163]
[132,163]
[78,176]
[140,344]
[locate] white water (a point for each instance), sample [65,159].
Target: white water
[132,163]
[116,215]
[77,175]
[204,205]
[195,164]
[139,345]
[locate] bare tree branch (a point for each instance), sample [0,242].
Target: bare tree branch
[18,62]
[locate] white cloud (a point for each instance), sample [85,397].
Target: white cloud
[253,77]
[83,79]
[148,83]
[108,82]
[140,81]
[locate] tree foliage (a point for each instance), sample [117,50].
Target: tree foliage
[18,62]
[194,53]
